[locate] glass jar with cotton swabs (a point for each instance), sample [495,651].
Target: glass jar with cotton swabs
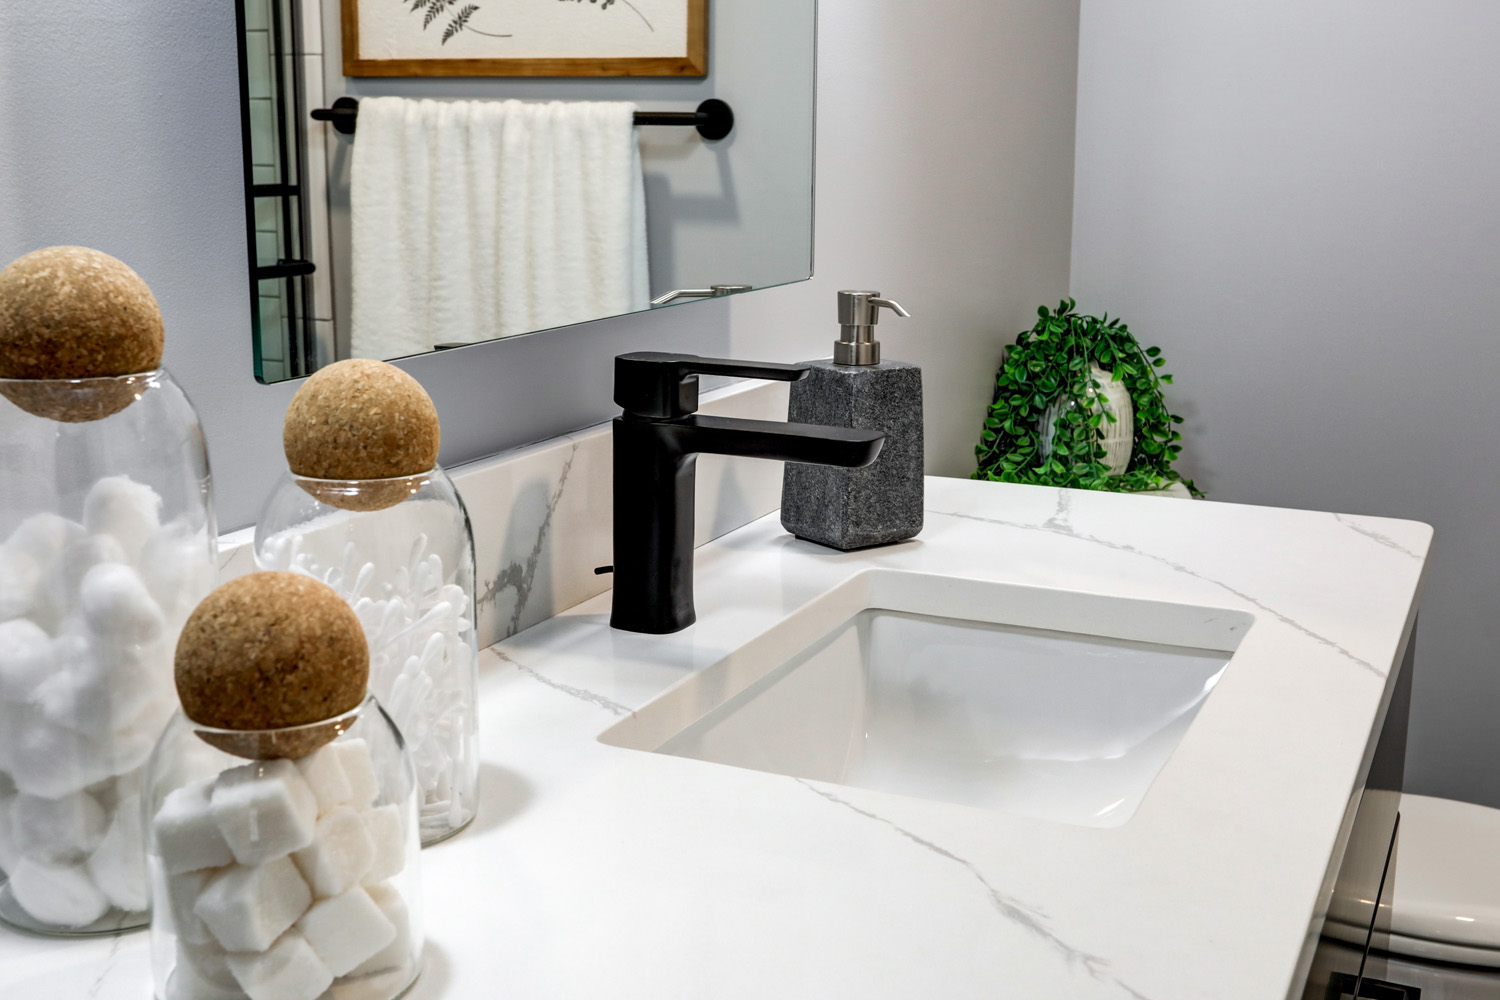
[366,509]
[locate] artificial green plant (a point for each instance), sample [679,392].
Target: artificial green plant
[1050,362]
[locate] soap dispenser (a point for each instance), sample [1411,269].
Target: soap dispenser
[881,503]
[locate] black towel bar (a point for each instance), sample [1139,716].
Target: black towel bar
[713,119]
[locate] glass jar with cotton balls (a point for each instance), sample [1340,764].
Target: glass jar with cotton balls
[107,542]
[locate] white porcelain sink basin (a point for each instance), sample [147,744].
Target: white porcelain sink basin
[1052,704]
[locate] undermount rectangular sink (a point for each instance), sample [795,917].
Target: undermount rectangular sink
[1052,704]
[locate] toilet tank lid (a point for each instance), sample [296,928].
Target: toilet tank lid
[1446,879]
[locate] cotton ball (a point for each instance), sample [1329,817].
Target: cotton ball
[58,596]
[10,727]
[9,855]
[118,864]
[25,658]
[61,829]
[19,575]
[117,605]
[105,793]
[101,689]
[52,761]
[60,895]
[176,569]
[120,788]
[133,738]
[77,694]
[44,536]
[125,510]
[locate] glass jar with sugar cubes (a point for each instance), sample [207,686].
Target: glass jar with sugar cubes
[107,542]
[400,551]
[286,877]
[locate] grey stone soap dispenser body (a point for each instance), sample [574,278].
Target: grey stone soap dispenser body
[881,503]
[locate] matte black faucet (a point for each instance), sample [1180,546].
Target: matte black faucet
[657,441]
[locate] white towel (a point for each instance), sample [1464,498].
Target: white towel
[481,219]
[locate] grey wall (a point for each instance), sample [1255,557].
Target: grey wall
[1298,202]
[945,137]
[945,177]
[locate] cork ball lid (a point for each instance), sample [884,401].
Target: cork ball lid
[270,651]
[361,419]
[72,312]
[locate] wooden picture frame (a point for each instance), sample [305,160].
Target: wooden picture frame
[446,20]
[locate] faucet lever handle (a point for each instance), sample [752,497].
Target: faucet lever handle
[665,386]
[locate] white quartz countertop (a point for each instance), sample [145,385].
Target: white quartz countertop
[598,871]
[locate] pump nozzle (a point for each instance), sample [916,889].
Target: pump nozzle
[858,314]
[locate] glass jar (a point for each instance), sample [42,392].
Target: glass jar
[284,876]
[107,543]
[401,552]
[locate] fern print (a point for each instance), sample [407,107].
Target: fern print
[434,9]
[459,20]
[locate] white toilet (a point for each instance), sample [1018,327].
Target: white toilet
[1444,904]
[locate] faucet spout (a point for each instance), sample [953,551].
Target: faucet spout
[810,443]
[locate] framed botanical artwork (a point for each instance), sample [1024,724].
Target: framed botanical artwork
[525,37]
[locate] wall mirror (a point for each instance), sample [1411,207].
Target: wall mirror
[724,143]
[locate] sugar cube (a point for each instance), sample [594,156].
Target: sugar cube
[388,833]
[64,829]
[186,834]
[264,810]
[19,576]
[398,953]
[247,908]
[340,854]
[346,930]
[186,984]
[209,963]
[325,776]
[59,894]
[117,606]
[182,892]
[123,509]
[288,970]
[359,768]
[118,864]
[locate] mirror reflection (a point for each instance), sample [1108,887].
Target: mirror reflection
[395,215]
